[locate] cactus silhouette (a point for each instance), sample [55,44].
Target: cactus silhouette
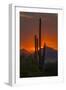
[39,53]
[36,49]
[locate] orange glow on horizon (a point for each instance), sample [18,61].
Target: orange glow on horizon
[48,44]
[29,27]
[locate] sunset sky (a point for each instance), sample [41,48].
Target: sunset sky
[29,26]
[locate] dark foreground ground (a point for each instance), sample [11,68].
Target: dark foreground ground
[29,68]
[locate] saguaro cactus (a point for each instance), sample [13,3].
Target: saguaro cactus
[40,61]
[36,48]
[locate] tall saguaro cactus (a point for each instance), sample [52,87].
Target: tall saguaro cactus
[40,61]
[39,55]
[36,48]
[40,35]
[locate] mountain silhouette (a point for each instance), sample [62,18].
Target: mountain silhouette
[29,66]
[50,53]
[24,52]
